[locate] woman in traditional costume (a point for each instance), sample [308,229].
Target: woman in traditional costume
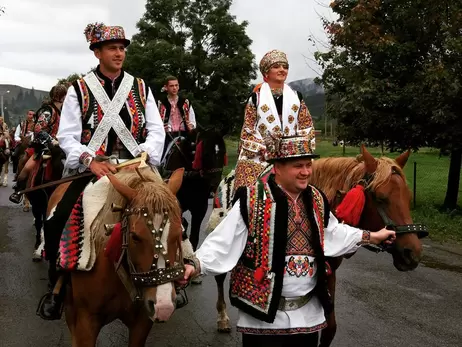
[273,109]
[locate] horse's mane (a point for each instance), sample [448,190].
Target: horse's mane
[152,193]
[334,174]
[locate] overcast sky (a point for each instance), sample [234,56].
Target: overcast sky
[42,40]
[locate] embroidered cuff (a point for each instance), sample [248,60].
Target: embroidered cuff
[194,261]
[366,238]
[83,157]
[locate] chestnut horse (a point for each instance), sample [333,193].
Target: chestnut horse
[387,203]
[151,230]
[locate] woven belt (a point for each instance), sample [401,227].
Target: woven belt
[291,304]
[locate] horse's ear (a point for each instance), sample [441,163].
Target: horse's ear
[175,181]
[401,160]
[369,160]
[124,190]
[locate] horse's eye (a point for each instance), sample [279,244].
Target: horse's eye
[135,237]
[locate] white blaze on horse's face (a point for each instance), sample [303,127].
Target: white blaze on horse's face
[160,300]
[217,149]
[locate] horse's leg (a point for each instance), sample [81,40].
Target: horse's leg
[328,334]
[5,173]
[139,331]
[223,324]
[39,212]
[197,215]
[83,326]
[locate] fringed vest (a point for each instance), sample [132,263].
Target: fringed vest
[133,113]
[257,280]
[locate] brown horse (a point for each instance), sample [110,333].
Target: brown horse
[151,231]
[387,202]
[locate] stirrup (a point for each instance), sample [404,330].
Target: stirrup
[49,297]
[16,198]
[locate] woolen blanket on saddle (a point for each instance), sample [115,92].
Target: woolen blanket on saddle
[76,247]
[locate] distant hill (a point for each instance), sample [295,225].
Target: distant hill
[313,95]
[19,100]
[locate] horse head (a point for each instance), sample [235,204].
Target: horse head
[387,199]
[151,230]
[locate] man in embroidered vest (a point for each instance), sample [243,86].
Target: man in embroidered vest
[106,113]
[176,112]
[45,131]
[274,107]
[23,136]
[275,240]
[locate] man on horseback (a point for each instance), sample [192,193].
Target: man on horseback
[176,112]
[107,113]
[275,240]
[45,131]
[273,107]
[5,150]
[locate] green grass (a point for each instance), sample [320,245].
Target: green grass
[431,181]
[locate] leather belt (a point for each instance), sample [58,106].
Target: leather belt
[292,304]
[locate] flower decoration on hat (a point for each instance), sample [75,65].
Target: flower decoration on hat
[96,33]
[280,147]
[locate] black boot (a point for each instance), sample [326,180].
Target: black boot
[16,197]
[51,305]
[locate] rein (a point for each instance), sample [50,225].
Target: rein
[156,276]
[419,229]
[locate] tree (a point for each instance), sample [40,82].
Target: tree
[70,79]
[201,43]
[392,74]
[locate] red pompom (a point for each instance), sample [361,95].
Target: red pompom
[197,163]
[113,248]
[351,208]
[259,274]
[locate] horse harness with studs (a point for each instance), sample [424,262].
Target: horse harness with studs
[156,276]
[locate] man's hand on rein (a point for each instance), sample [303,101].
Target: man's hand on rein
[189,273]
[102,168]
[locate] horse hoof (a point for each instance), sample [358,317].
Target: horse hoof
[223,326]
[25,209]
[36,257]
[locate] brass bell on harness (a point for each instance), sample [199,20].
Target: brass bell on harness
[109,228]
[116,208]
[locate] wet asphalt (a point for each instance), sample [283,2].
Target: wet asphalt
[376,305]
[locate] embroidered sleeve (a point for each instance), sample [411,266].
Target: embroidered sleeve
[42,122]
[251,144]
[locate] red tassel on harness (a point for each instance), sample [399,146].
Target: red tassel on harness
[197,163]
[225,160]
[351,208]
[259,274]
[113,248]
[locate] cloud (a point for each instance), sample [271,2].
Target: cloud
[42,40]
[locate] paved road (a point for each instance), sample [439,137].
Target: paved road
[377,305]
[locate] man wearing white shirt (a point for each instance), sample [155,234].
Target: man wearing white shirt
[275,240]
[106,113]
